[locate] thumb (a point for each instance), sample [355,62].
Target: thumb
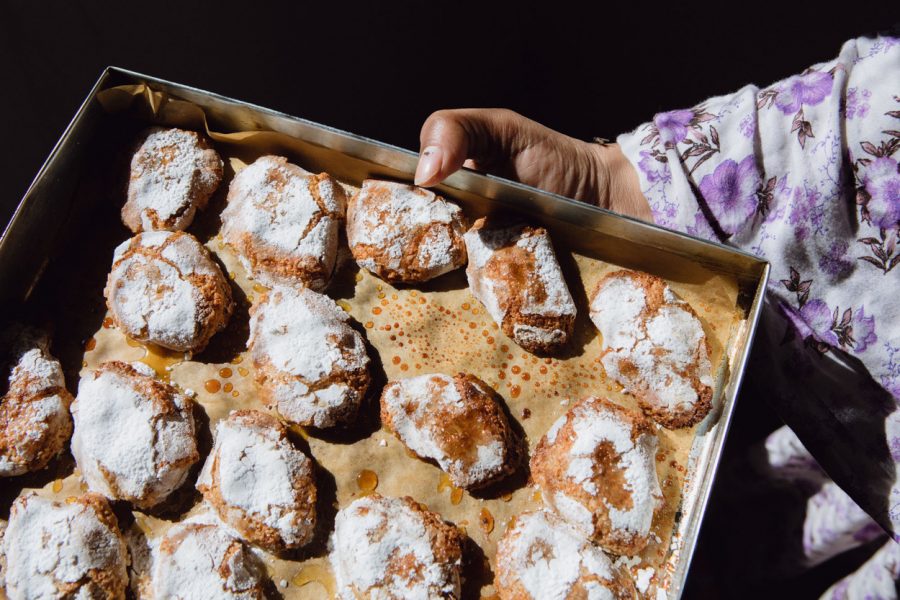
[450,137]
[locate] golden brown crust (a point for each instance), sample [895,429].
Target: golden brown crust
[312,262]
[251,526]
[404,233]
[30,438]
[655,290]
[201,175]
[107,549]
[459,433]
[391,537]
[608,482]
[211,297]
[241,573]
[318,394]
[513,271]
[170,463]
[540,537]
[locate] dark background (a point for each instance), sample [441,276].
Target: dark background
[379,70]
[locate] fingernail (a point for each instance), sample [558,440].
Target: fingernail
[429,165]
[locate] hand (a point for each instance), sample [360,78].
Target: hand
[504,143]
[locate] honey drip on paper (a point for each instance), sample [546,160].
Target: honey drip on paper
[57,486]
[90,344]
[158,358]
[212,385]
[486,520]
[315,574]
[367,481]
[456,493]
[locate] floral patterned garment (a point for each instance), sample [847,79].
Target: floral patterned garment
[805,174]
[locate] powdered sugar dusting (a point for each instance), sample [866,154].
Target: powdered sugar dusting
[198,561]
[548,559]
[260,472]
[53,546]
[597,469]
[274,213]
[134,437]
[395,219]
[663,347]
[636,458]
[34,413]
[515,268]
[151,292]
[420,408]
[170,174]
[305,336]
[371,538]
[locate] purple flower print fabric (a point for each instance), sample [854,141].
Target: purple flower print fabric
[805,174]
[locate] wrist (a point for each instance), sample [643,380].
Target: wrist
[619,188]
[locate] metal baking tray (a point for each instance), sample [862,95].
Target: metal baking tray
[34,236]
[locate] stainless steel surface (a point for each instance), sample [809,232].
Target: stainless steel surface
[28,242]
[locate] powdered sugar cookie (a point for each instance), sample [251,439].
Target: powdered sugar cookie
[164,288]
[69,549]
[457,422]
[310,364]
[259,482]
[284,222]
[173,174]
[654,345]
[134,435]
[394,549]
[596,468]
[513,271]
[34,414]
[201,561]
[405,233]
[541,558]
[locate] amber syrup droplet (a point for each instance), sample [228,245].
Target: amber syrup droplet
[456,495]
[225,373]
[345,306]
[90,344]
[315,574]
[57,486]
[227,388]
[444,482]
[108,323]
[159,359]
[237,360]
[537,496]
[212,385]
[367,481]
[486,520]
[243,372]
[515,391]
[260,288]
